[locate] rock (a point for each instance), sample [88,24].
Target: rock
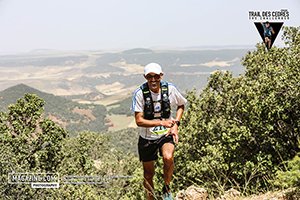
[192,193]
[230,194]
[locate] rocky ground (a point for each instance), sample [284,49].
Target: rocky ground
[196,193]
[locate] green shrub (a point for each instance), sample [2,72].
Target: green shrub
[239,130]
[291,176]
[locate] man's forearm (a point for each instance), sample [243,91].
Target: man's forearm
[148,123]
[141,121]
[179,112]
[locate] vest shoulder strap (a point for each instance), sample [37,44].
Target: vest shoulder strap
[148,107]
[165,102]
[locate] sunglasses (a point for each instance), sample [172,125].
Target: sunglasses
[149,76]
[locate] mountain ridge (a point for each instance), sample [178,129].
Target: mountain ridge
[70,115]
[97,77]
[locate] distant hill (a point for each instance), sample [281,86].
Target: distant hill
[93,96]
[137,51]
[121,107]
[105,77]
[71,115]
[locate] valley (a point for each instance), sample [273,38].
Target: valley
[108,78]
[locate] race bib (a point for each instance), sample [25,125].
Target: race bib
[159,130]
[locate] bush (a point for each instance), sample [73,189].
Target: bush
[291,176]
[239,130]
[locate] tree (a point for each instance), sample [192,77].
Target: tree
[239,130]
[29,143]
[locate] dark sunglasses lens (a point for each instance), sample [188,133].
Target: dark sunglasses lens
[156,76]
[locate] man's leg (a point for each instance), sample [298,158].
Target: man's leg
[266,42]
[168,158]
[149,171]
[269,44]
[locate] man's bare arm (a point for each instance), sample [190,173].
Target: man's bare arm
[179,112]
[140,121]
[174,130]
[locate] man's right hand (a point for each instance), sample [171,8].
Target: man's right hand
[167,123]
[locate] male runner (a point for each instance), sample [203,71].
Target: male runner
[152,104]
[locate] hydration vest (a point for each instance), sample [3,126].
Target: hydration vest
[165,110]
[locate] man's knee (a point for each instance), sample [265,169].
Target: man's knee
[168,153]
[168,158]
[148,174]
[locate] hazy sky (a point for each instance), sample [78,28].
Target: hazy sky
[113,24]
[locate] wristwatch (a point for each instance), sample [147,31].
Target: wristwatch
[177,122]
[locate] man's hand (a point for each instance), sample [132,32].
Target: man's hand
[174,132]
[167,123]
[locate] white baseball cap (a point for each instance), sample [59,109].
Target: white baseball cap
[152,67]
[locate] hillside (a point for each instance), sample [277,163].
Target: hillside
[70,115]
[121,107]
[107,77]
[239,140]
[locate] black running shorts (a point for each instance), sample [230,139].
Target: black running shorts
[148,149]
[268,36]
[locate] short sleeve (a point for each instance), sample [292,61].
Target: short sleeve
[137,101]
[175,96]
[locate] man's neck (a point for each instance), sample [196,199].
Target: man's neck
[156,91]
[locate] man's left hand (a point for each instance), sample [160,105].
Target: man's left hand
[174,132]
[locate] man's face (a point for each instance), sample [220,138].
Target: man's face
[153,81]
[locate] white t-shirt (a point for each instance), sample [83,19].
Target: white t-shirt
[176,99]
